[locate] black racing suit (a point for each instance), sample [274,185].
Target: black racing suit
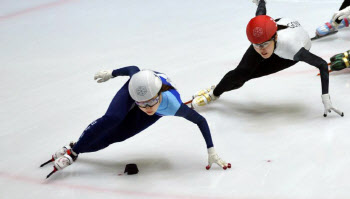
[345,4]
[253,65]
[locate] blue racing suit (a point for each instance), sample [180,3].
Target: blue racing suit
[124,118]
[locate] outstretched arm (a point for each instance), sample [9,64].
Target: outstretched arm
[126,71]
[308,57]
[318,62]
[193,116]
[105,75]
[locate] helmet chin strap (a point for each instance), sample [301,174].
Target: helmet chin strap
[274,47]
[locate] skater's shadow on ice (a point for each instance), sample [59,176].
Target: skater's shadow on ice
[258,109]
[158,164]
[92,167]
[345,71]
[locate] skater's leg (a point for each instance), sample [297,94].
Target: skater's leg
[117,111]
[134,122]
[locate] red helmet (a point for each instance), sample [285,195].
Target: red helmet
[261,29]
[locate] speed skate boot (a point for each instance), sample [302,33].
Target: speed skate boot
[340,56]
[203,91]
[64,161]
[59,153]
[203,97]
[329,28]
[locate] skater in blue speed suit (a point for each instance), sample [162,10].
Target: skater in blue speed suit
[143,99]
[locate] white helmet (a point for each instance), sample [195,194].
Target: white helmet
[144,85]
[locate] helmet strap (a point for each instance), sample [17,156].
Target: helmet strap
[275,39]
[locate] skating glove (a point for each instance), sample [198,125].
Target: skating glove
[214,158]
[103,75]
[328,107]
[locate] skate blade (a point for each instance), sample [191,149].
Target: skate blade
[318,37]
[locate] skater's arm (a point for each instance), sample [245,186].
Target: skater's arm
[105,75]
[261,10]
[193,116]
[308,57]
[125,71]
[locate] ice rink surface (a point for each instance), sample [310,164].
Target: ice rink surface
[271,130]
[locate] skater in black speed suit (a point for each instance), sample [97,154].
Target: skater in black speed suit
[276,45]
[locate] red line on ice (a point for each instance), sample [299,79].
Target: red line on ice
[33,9]
[95,189]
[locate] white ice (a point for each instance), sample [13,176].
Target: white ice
[271,130]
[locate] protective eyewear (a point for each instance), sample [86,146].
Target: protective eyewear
[149,103]
[265,44]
